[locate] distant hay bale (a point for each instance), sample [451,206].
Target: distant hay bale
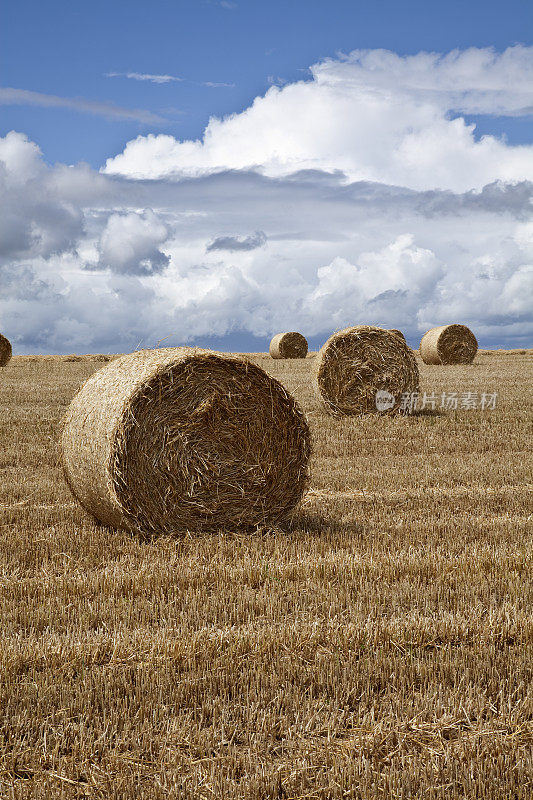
[448,344]
[364,369]
[288,345]
[185,439]
[397,332]
[98,357]
[5,350]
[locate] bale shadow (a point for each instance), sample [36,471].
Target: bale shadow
[429,412]
[319,524]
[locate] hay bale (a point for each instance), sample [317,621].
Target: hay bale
[448,344]
[98,357]
[288,345]
[357,363]
[397,332]
[185,439]
[5,350]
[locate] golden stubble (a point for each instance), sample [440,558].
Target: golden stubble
[378,646]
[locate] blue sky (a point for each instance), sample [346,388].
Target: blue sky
[211,172]
[66,49]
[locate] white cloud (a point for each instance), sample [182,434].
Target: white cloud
[25,97]
[151,259]
[391,283]
[33,222]
[144,76]
[161,79]
[20,159]
[218,85]
[130,244]
[473,81]
[374,115]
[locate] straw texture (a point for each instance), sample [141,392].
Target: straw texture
[448,344]
[357,363]
[5,350]
[397,332]
[185,439]
[288,345]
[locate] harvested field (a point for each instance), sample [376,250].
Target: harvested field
[378,646]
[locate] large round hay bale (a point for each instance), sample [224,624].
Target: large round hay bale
[185,439]
[448,344]
[5,350]
[397,332]
[365,370]
[288,345]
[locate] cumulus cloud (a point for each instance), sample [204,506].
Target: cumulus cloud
[33,222]
[20,159]
[473,81]
[236,243]
[95,261]
[130,244]
[393,282]
[374,115]
[25,97]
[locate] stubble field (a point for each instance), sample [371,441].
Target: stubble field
[380,645]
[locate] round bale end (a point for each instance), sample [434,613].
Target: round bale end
[448,344]
[162,441]
[5,350]
[365,369]
[288,345]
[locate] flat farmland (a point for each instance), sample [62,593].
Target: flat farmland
[378,645]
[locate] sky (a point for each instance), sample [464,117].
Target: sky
[213,171]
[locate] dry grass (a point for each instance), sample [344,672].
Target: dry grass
[379,647]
